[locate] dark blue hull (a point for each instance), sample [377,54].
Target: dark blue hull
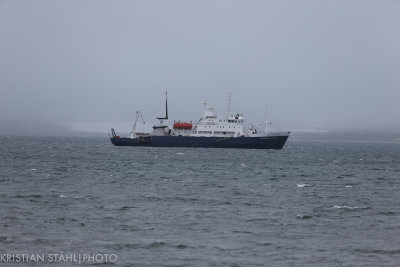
[266,142]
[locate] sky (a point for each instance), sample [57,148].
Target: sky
[91,64]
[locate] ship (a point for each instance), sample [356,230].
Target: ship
[210,131]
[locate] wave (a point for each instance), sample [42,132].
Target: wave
[303,185]
[346,207]
[378,251]
[303,216]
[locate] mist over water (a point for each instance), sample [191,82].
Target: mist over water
[309,204]
[88,63]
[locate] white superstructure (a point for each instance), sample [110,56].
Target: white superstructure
[210,125]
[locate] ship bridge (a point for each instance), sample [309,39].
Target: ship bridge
[210,125]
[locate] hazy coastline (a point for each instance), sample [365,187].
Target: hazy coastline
[20,127]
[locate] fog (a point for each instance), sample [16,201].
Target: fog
[89,65]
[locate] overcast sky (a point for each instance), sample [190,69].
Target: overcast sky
[92,64]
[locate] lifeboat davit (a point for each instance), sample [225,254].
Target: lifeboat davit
[182,126]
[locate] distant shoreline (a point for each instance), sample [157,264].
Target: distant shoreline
[349,135]
[43,128]
[333,136]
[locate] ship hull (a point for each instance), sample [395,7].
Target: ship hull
[265,142]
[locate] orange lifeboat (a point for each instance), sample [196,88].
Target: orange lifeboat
[182,126]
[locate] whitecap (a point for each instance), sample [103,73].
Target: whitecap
[348,186]
[348,207]
[33,169]
[62,195]
[303,216]
[180,153]
[244,165]
[302,185]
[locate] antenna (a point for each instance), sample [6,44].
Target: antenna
[267,123]
[229,104]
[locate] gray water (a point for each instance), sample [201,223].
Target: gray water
[310,204]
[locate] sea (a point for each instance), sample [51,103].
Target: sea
[85,202]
